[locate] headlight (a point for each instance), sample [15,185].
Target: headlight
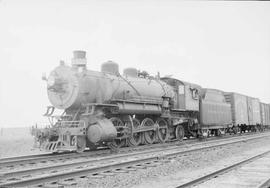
[51,81]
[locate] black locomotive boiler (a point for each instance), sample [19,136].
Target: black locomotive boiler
[107,108]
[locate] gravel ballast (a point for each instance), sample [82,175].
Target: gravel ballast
[175,171]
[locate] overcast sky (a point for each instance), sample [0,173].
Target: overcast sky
[223,45]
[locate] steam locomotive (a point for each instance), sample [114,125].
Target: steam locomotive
[109,109]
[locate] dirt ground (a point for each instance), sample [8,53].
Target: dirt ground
[16,142]
[183,168]
[195,165]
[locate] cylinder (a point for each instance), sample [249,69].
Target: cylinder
[102,131]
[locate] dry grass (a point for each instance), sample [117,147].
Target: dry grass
[16,142]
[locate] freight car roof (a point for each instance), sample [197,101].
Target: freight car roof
[211,89]
[240,94]
[234,93]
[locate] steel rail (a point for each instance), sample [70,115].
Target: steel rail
[222,171]
[89,170]
[110,157]
[22,157]
[25,158]
[265,184]
[55,156]
[47,156]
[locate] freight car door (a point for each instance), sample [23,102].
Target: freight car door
[250,111]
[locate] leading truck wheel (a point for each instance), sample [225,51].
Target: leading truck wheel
[81,144]
[179,132]
[120,128]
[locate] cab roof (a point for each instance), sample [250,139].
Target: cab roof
[174,81]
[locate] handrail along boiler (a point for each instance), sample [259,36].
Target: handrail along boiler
[107,108]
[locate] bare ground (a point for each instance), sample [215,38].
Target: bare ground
[179,170]
[16,142]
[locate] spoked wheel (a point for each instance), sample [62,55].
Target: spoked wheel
[81,144]
[179,132]
[73,141]
[120,128]
[135,138]
[163,131]
[149,136]
[92,146]
[235,129]
[221,132]
[205,133]
[218,132]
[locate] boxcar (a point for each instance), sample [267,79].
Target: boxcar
[239,108]
[254,114]
[215,112]
[265,115]
[268,115]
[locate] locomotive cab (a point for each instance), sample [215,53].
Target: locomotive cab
[185,104]
[186,94]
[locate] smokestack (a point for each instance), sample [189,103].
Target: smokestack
[79,59]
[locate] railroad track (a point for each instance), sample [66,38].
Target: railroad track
[251,172]
[265,184]
[26,165]
[48,159]
[63,174]
[43,159]
[21,158]
[51,159]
